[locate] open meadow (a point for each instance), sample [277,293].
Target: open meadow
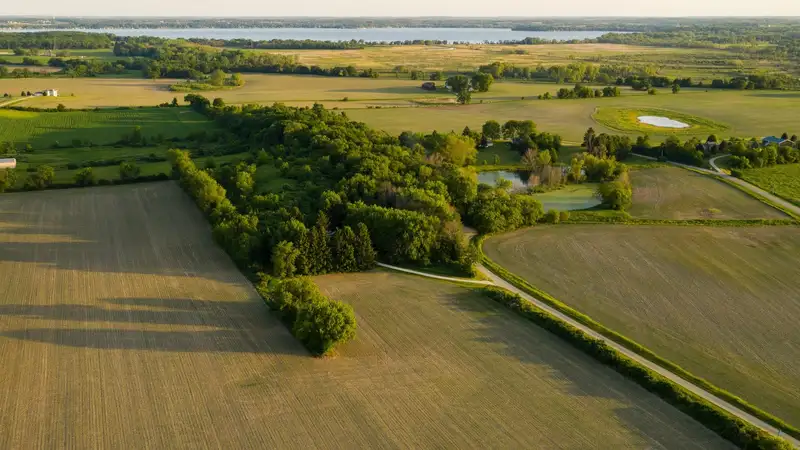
[781,180]
[46,129]
[723,303]
[679,194]
[124,325]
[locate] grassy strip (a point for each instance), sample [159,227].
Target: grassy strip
[617,217]
[632,345]
[731,428]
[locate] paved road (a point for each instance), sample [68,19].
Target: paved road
[640,359]
[750,187]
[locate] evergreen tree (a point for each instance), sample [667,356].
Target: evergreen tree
[343,249]
[284,257]
[303,263]
[319,253]
[365,254]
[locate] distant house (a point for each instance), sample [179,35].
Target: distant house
[770,140]
[8,163]
[51,93]
[429,86]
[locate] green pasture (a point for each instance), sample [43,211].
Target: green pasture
[46,129]
[782,180]
[626,120]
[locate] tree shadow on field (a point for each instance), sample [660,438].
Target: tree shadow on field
[580,375]
[148,228]
[239,327]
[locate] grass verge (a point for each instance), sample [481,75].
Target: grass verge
[630,344]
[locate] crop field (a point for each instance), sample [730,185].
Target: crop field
[723,303]
[781,180]
[123,323]
[698,63]
[745,114]
[675,193]
[45,129]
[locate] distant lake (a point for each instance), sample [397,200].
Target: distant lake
[472,35]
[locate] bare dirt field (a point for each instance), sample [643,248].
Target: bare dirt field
[675,193]
[123,326]
[724,303]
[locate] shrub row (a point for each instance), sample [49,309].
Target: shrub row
[735,430]
[631,345]
[100,182]
[315,320]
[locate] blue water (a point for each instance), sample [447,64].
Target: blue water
[472,35]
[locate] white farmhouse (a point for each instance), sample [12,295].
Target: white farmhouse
[8,163]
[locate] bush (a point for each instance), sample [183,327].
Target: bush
[733,429]
[318,322]
[563,216]
[551,216]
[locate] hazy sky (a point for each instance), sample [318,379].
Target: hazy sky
[401,8]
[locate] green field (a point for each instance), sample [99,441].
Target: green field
[45,129]
[105,290]
[721,302]
[679,194]
[746,114]
[781,180]
[570,197]
[627,120]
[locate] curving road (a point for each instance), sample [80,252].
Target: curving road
[744,184]
[500,282]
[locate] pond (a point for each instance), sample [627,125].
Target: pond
[519,180]
[663,122]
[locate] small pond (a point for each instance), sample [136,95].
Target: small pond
[663,122]
[519,180]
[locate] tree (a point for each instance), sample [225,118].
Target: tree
[460,85]
[174,101]
[364,253]
[530,160]
[491,129]
[320,325]
[237,80]
[576,170]
[218,103]
[437,76]
[518,129]
[85,177]
[8,180]
[61,107]
[676,88]
[616,194]
[459,150]
[319,252]
[217,78]
[482,81]
[284,256]
[588,140]
[785,136]
[40,179]
[128,171]
[343,250]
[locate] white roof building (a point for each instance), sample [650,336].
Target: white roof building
[8,163]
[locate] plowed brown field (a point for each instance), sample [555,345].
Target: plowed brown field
[123,326]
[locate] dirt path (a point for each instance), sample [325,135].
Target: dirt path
[438,277]
[747,186]
[500,282]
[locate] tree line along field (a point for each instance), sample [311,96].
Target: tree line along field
[107,289]
[678,194]
[44,130]
[720,302]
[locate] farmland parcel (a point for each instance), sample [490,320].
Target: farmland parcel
[721,302]
[123,325]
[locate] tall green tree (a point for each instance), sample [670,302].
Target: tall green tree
[85,177]
[364,253]
[343,250]
[319,252]
[284,256]
[491,129]
[482,81]
[460,85]
[128,170]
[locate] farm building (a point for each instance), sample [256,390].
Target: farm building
[769,140]
[8,163]
[51,93]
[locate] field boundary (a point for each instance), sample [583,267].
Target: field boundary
[437,277]
[685,398]
[735,404]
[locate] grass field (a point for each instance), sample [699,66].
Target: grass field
[697,63]
[721,302]
[746,114]
[782,180]
[674,193]
[123,324]
[627,120]
[570,197]
[44,129]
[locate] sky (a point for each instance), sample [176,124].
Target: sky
[351,8]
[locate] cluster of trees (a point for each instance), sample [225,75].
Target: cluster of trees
[748,154]
[462,86]
[48,40]
[495,209]
[315,320]
[217,79]
[581,91]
